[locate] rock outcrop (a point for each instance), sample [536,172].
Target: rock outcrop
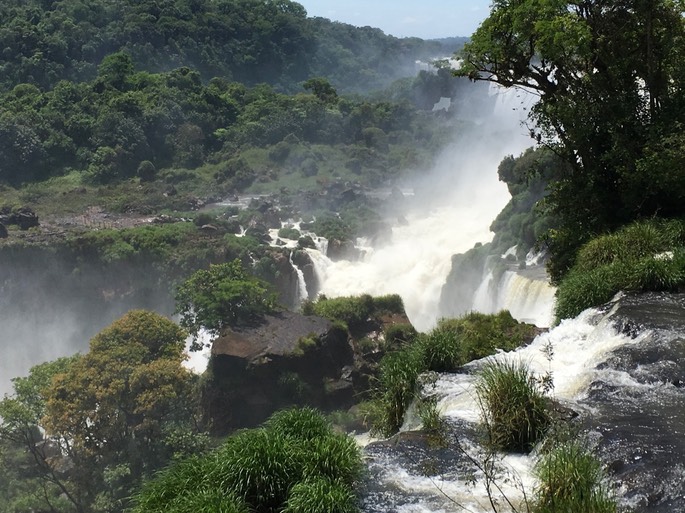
[288,359]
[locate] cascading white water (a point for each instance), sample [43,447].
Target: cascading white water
[451,211]
[528,300]
[578,347]
[302,292]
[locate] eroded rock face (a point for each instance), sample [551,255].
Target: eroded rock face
[288,359]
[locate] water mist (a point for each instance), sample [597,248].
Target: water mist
[451,209]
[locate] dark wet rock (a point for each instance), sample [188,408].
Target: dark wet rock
[342,250]
[3,231]
[634,410]
[23,217]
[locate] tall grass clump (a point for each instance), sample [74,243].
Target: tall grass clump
[395,389]
[571,481]
[321,495]
[643,256]
[441,350]
[303,424]
[262,470]
[515,410]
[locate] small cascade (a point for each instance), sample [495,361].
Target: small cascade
[302,293]
[528,300]
[483,300]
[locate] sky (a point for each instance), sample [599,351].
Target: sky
[427,19]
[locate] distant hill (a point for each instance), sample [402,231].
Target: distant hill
[248,41]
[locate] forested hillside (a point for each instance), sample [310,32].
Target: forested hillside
[246,41]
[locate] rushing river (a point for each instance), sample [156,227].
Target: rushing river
[621,369]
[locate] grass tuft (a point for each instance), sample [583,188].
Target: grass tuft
[514,409]
[571,481]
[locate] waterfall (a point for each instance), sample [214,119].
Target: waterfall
[451,209]
[528,300]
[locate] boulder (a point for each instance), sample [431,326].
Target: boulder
[3,231]
[288,359]
[342,250]
[24,217]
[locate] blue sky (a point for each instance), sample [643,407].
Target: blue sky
[422,18]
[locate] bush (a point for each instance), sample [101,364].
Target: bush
[295,461]
[571,481]
[646,255]
[289,233]
[351,310]
[441,350]
[301,424]
[399,334]
[514,409]
[259,465]
[335,456]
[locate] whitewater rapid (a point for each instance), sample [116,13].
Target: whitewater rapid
[572,354]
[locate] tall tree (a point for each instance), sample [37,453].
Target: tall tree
[609,77]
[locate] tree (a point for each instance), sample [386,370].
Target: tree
[609,78]
[322,89]
[26,456]
[111,411]
[223,295]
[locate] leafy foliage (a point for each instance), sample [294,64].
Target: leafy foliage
[106,414]
[355,310]
[266,470]
[608,75]
[224,295]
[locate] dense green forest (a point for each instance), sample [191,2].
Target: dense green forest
[246,41]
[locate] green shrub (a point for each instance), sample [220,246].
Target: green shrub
[335,456]
[351,310]
[170,486]
[289,233]
[646,255]
[259,465]
[321,495]
[514,409]
[391,303]
[441,350]
[571,481]
[399,334]
[262,470]
[481,335]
